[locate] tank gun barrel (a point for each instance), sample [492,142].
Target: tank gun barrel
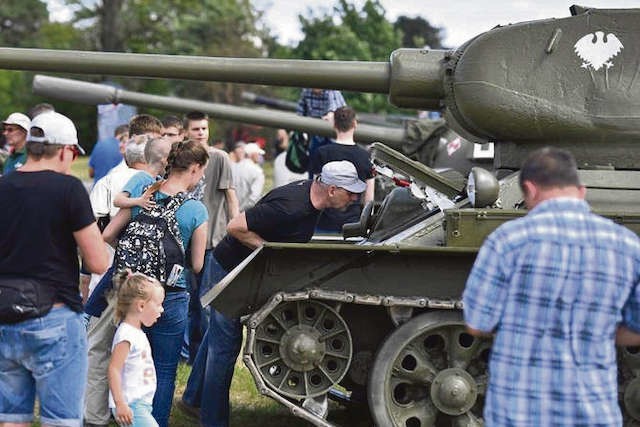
[411,77]
[93,93]
[279,104]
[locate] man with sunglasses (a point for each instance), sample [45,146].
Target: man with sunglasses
[46,218]
[15,129]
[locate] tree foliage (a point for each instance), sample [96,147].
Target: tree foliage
[348,33]
[418,32]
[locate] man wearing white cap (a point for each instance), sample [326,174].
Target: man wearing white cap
[248,176]
[15,129]
[286,214]
[46,217]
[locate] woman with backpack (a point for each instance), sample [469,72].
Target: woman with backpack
[173,218]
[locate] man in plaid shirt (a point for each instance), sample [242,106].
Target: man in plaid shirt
[558,288]
[319,103]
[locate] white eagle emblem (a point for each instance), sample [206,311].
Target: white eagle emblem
[596,50]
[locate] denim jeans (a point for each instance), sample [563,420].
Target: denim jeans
[165,338]
[46,357]
[211,274]
[141,414]
[212,371]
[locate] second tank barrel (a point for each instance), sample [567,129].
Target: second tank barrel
[93,93]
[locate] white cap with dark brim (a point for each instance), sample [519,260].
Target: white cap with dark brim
[57,129]
[342,174]
[18,119]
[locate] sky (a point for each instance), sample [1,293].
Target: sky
[460,19]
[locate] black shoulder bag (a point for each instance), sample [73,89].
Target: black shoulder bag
[23,298]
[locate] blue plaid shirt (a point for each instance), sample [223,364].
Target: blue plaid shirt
[554,286]
[311,104]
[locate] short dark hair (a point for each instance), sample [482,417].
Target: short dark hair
[144,123]
[39,150]
[193,116]
[38,109]
[124,128]
[172,121]
[344,118]
[550,167]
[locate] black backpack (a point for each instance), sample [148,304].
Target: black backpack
[151,243]
[297,159]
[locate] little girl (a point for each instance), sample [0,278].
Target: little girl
[132,376]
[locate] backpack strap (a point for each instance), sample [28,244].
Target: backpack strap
[171,204]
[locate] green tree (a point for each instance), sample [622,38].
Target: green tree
[180,27]
[25,23]
[418,32]
[348,33]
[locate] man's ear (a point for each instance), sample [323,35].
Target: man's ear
[529,189]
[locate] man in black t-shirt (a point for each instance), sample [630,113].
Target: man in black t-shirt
[344,148]
[286,214]
[46,216]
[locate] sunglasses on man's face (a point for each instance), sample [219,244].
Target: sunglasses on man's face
[11,129]
[73,149]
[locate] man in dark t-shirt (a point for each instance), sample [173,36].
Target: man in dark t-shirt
[46,216]
[344,148]
[286,214]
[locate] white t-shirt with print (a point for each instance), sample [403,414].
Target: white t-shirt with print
[139,374]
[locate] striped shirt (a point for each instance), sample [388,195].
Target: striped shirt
[554,286]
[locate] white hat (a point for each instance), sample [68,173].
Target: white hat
[342,174]
[57,129]
[252,148]
[18,119]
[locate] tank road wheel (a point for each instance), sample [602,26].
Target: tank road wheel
[629,384]
[302,348]
[428,372]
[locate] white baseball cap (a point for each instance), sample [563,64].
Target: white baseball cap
[18,119]
[252,148]
[342,174]
[56,128]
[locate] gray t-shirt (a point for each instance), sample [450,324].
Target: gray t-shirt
[217,179]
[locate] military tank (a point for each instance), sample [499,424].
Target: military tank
[380,321]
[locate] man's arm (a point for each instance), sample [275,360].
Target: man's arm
[625,337]
[92,249]
[369,191]
[239,229]
[233,206]
[478,332]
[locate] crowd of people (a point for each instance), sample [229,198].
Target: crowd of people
[109,346]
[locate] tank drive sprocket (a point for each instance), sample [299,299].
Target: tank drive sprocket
[302,348]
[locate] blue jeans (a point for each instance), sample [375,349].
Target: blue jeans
[165,338]
[210,380]
[141,414]
[46,356]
